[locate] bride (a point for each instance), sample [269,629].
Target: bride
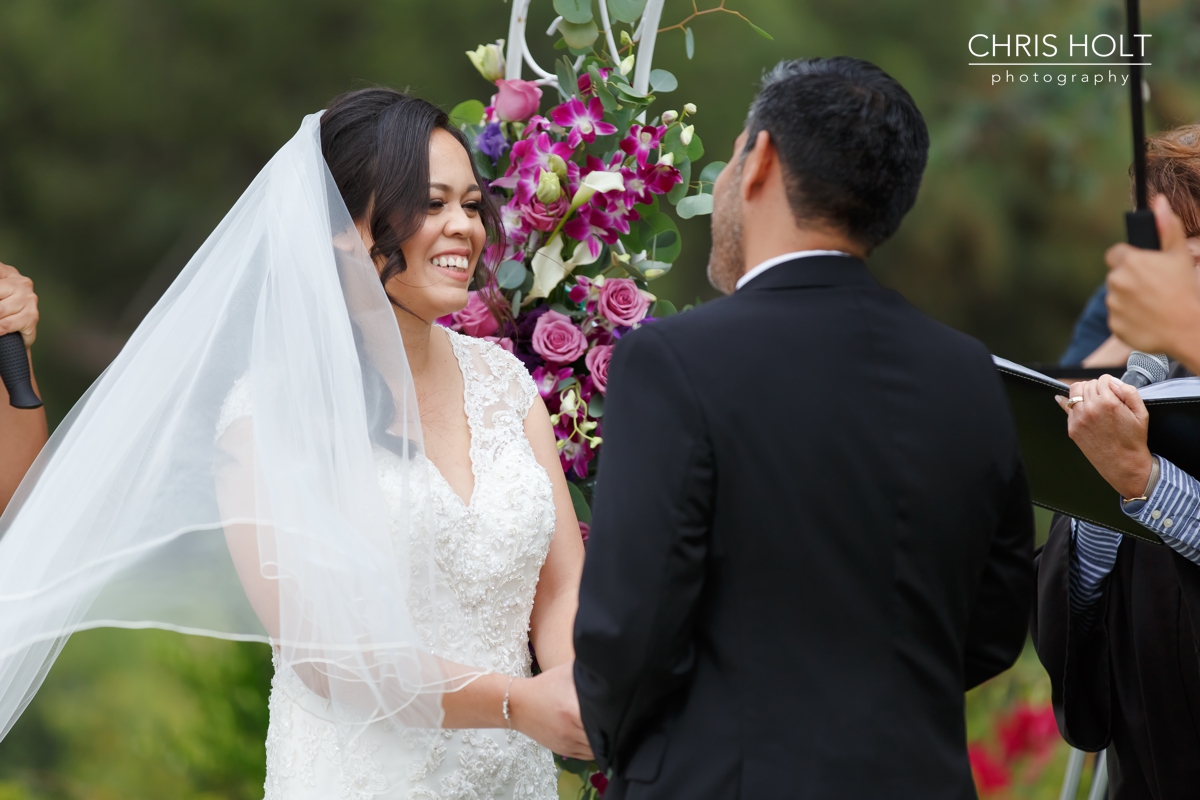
[290,450]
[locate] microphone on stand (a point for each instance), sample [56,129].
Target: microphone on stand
[14,371]
[1143,369]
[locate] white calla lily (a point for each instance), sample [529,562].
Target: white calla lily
[597,181]
[549,268]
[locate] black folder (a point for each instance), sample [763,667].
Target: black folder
[1061,478]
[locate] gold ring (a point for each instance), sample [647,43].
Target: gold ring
[1073,401]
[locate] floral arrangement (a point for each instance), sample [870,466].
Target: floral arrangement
[583,187]
[585,179]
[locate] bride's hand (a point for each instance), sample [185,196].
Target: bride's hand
[546,709]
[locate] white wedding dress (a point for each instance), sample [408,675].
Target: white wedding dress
[489,553]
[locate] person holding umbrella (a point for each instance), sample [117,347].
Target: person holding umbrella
[22,431]
[1117,619]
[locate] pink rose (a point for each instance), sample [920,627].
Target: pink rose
[622,303]
[504,342]
[584,530]
[597,364]
[556,339]
[516,100]
[476,319]
[544,217]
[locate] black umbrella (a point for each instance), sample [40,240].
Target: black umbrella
[1139,223]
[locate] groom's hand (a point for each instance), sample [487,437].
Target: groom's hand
[546,709]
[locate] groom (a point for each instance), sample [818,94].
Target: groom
[812,529]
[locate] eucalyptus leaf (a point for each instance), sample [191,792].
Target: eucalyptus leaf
[694,206]
[511,275]
[660,238]
[627,91]
[664,308]
[672,144]
[680,190]
[568,81]
[663,81]
[564,383]
[581,36]
[626,10]
[689,40]
[577,12]
[516,303]
[582,511]
[708,175]
[601,89]
[596,406]
[468,112]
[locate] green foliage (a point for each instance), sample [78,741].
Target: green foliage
[143,714]
[468,112]
[581,36]
[625,10]
[662,81]
[577,12]
[695,205]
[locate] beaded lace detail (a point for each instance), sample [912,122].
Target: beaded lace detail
[488,555]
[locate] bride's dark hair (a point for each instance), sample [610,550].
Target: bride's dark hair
[376,143]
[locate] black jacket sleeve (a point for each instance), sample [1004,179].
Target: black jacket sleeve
[996,632]
[647,549]
[1076,660]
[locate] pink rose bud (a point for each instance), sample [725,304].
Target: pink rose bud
[597,363]
[556,339]
[476,319]
[622,303]
[516,100]
[584,530]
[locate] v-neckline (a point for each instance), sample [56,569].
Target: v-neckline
[470,501]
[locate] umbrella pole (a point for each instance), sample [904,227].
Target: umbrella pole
[1139,223]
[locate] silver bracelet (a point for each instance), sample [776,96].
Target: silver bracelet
[504,708]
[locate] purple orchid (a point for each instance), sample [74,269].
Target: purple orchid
[585,80]
[585,122]
[642,139]
[643,183]
[491,142]
[530,157]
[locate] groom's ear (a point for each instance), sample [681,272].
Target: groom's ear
[758,166]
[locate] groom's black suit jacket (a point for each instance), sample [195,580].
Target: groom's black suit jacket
[812,533]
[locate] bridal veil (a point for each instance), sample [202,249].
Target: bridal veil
[149,509]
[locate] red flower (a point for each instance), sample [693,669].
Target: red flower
[1028,731]
[599,780]
[989,773]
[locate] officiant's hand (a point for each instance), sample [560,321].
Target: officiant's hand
[546,709]
[18,304]
[1110,425]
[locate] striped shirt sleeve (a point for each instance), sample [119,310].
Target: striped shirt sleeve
[1172,510]
[1092,559]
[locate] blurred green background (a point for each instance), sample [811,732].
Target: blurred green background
[129,127]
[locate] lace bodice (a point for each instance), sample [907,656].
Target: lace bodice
[488,554]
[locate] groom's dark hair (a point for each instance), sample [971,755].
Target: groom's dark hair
[851,141]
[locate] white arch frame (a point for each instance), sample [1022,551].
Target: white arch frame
[646,36]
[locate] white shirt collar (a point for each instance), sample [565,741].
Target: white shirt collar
[777,260]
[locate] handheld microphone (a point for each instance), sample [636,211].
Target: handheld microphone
[14,371]
[1143,369]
